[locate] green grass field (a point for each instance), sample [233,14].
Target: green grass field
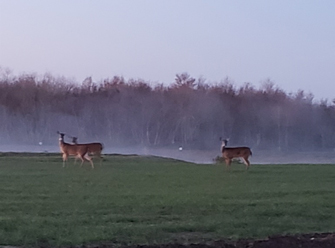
[148,200]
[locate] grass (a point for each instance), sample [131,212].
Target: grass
[147,200]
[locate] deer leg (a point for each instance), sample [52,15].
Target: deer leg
[64,159]
[247,163]
[86,157]
[228,162]
[82,160]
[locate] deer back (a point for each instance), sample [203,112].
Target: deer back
[234,152]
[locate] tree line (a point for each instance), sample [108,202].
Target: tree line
[189,112]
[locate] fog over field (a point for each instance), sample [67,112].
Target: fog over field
[134,117]
[194,156]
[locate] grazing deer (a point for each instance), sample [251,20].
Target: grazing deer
[228,153]
[80,151]
[94,149]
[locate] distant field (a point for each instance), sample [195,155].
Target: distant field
[146,200]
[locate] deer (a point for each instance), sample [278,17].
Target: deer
[79,151]
[228,153]
[94,149]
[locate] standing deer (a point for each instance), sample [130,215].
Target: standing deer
[94,149]
[79,151]
[228,153]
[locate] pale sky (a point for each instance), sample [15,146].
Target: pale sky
[291,42]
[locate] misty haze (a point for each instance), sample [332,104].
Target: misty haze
[134,117]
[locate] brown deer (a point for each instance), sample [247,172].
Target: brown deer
[79,151]
[94,149]
[228,153]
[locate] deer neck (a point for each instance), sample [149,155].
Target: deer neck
[223,147]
